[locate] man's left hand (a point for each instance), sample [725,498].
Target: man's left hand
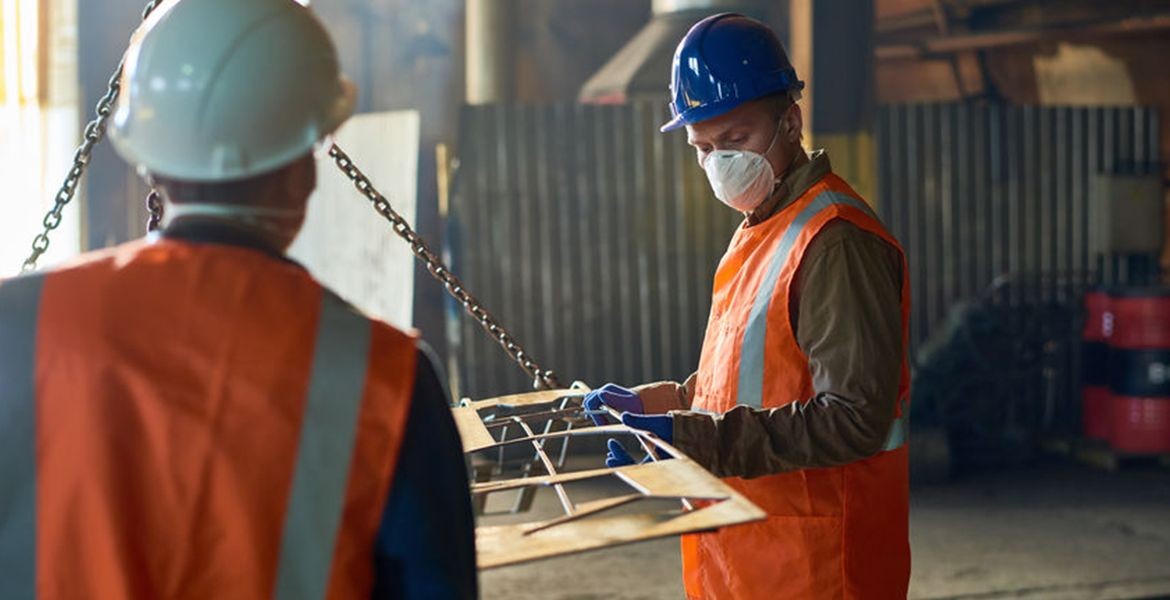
[662,426]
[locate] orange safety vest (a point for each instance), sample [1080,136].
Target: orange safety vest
[830,533]
[193,421]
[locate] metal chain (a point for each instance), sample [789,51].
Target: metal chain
[154,206]
[94,132]
[541,378]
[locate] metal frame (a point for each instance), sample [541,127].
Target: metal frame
[539,420]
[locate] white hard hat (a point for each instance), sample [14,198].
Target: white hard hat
[216,90]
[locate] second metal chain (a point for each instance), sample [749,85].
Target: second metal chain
[94,132]
[541,378]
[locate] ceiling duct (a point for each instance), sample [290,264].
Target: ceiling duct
[641,69]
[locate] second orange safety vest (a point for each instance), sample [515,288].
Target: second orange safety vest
[193,421]
[835,533]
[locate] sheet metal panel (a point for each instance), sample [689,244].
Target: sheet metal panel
[592,236]
[975,192]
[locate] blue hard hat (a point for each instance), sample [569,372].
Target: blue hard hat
[724,61]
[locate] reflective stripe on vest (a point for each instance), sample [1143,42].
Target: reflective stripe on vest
[328,435]
[751,366]
[320,476]
[20,301]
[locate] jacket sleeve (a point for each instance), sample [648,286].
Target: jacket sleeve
[664,396]
[848,320]
[426,544]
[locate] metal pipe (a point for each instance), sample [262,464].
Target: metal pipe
[490,68]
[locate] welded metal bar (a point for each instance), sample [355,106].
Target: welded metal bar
[647,443]
[545,415]
[617,416]
[600,430]
[587,510]
[562,495]
[568,427]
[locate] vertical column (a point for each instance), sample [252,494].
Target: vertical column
[490,64]
[831,44]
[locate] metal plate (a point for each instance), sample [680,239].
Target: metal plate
[549,420]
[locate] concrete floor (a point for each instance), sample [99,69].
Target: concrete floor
[1054,531]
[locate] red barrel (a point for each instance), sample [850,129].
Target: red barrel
[1140,374]
[1095,396]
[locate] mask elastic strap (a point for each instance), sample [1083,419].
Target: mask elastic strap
[247,215]
[775,134]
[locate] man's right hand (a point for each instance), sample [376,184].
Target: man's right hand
[614,396]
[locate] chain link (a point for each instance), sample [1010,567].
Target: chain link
[94,132]
[154,206]
[434,265]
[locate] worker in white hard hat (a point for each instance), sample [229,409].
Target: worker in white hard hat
[193,415]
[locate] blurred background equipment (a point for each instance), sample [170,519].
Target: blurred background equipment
[1096,415]
[1139,378]
[635,71]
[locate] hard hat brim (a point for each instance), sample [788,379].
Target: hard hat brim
[700,114]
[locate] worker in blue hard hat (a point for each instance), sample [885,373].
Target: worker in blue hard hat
[800,396]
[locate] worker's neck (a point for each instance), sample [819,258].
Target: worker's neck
[781,194]
[219,231]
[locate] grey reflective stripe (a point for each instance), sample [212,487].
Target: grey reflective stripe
[751,358]
[20,301]
[328,435]
[899,433]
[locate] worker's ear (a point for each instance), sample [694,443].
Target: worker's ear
[793,123]
[300,178]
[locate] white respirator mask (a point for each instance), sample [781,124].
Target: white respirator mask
[742,179]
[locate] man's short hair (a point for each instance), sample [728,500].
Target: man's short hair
[237,191]
[778,102]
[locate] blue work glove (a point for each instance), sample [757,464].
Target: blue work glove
[618,455]
[660,425]
[614,396]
